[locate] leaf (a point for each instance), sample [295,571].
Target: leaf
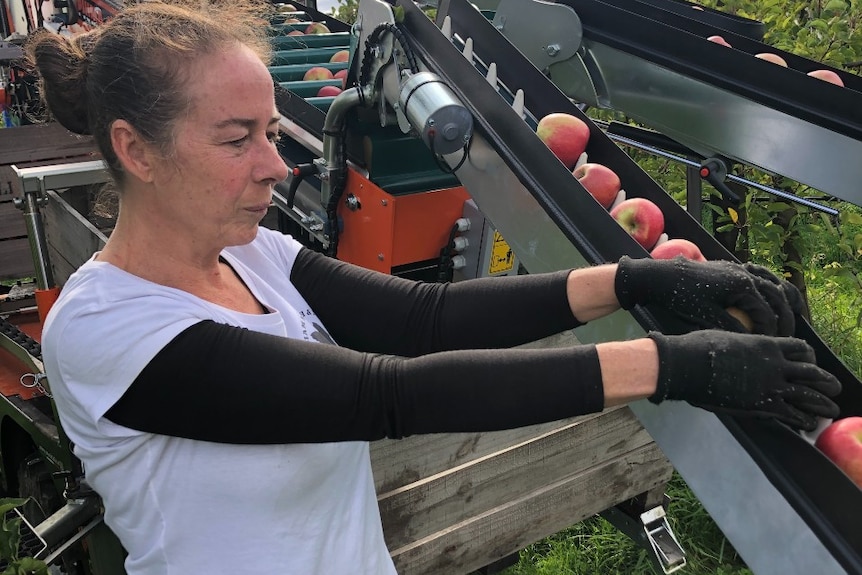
[734,216]
[852,218]
[835,6]
[31,566]
[777,206]
[724,228]
[819,25]
[8,504]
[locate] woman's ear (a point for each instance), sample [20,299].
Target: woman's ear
[134,153]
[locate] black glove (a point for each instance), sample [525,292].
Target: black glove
[745,374]
[701,292]
[786,325]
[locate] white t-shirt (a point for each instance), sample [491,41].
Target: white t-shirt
[181,506]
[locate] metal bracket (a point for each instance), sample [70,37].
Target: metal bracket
[667,549]
[560,36]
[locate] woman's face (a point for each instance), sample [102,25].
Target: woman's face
[217,184]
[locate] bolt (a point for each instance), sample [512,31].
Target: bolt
[552,49]
[431,121]
[384,202]
[381,257]
[352,203]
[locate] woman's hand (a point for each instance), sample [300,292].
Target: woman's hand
[741,374]
[701,293]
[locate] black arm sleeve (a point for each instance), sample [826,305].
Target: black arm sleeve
[371,311]
[215,382]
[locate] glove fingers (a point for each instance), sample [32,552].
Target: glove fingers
[774,296]
[786,414]
[793,299]
[810,401]
[797,350]
[812,377]
[795,418]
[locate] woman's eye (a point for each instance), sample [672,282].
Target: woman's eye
[238,142]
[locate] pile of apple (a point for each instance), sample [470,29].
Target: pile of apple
[827,75]
[567,137]
[323,73]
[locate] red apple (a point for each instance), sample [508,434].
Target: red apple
[565,135]
[317,28]
[841,442]
[600,181]
[295,33]
[328,91]
[340,56]
[827,75]
[342,75]
[774,58]
[742,317]
[641,218]
[677,247]
[317,73]
[719,40]
[283,8]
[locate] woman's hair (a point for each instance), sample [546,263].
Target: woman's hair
[136,66]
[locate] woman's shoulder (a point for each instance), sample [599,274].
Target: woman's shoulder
[100,298]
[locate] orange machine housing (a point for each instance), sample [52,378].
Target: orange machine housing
[386,231]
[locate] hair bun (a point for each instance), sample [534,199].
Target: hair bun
[62,72]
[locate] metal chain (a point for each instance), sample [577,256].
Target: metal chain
[36,383]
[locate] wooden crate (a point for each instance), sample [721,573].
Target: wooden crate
[453,503]
[16,260]
[28,146]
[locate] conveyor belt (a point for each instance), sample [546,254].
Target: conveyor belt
[782,504]
[658,67]
[709,16]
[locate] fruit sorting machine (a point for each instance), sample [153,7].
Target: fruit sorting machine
[437,127]
[764,485]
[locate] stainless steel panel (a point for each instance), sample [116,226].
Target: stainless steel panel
[713,120]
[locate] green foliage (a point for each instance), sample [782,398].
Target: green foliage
[346,11]
[10,538]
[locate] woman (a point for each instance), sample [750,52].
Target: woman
[220,382]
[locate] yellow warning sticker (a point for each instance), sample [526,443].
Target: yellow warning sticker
[502,258]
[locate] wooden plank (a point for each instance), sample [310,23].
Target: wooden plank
[479,540]
[71,238]
[38,142]
[396,463]
[417,510]
[11,220]
[16,261]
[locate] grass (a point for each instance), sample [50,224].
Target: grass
[595,546]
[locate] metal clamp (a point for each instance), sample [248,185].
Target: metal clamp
[667,549]
[38,378]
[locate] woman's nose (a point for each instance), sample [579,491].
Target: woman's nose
[272,164]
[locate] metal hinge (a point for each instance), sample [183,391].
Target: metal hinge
[667,549]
